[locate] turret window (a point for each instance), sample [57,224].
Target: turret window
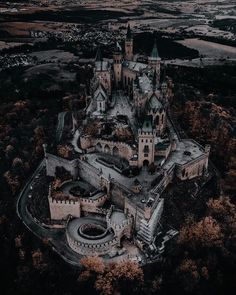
[162,119]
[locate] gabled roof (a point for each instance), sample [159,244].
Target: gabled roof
[100,97]
[100,93]
[154,103]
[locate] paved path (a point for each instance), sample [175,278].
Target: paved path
[56,237]
[74,141]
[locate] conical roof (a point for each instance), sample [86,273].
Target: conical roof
[154,53]
[129,34]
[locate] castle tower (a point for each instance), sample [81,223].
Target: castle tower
[146,144]
[129,45]
[102,71]
[164,86]
[155,61]
[117,65]
[154,81]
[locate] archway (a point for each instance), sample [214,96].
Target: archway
[145,163]
[107,149]
[99,147]
[115,151]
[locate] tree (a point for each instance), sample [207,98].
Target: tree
[120,278]
[116,278]
[205,233]
[93,266]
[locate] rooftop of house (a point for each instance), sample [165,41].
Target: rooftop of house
[144,83]
[102,65]
[134,66]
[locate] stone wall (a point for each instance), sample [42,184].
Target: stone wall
[192,169]
[121,149]
[91,249]
[135,212]
[52,162]
[61,209]
[90,205]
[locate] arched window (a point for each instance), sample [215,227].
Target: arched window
[162,118]
[115,151]
[98,147]
[107,149]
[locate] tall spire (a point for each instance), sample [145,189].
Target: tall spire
[129,34]
[154,53]
[154,81]
[98,54]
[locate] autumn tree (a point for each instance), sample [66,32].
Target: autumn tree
[120,278]
[205,233]
[93,266]
[116,278]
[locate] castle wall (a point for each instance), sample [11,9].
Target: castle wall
[90,205]
[124,150]
[193,169]
[164,152]
[118,197]
[91,249]
[52,162]
[134,211]
[128,77]
[61,209]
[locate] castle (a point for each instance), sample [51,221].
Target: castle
[125,154]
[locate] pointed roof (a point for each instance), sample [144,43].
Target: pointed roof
[100,92]
[147,124]
[98,54]
[128,34]
[154,103]
[154,53]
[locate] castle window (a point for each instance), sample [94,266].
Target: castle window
[146,149]
[146,140]
[162,119]
[150,140]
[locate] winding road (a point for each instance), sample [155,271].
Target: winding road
[56,237]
